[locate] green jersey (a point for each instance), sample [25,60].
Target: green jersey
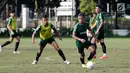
[80,32]
[98,19]
[12,23]
[45,31]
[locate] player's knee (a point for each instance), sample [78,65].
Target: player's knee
[92,48]
[18,40]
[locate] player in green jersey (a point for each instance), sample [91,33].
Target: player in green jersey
[80,34]
[46,37]
[99,32]
[13,33]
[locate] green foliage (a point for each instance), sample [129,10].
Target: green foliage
[87,6]
[65,32]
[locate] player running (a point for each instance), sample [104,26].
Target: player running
[80,34]
[11,26]
[46,37]
[99,31]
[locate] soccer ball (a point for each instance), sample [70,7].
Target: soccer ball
[90,65]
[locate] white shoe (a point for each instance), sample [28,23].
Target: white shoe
[67,62]
[0,48]
[16,52]
[34,62]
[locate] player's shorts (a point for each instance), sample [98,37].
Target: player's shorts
[14,35]
[83,45]
[86,45]
[46,41]
[100,35]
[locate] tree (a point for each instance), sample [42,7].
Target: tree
[87,6]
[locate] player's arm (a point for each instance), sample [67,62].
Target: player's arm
[34,33]
[101,22]
[8,26]
[55,31]
[75,37]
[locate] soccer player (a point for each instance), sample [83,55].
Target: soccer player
[99,32]
[46,37]
[92,26]
[11,26]
[80,34]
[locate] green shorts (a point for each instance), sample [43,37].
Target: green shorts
[14,35]
[46,41]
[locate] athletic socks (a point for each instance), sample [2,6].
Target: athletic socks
[38,55]
[82,60]
[6,43]
[103,47]
[16,46]
[91,55]
[62,55]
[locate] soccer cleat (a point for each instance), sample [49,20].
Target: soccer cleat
[0,48]
[67,62]
[84,66]
[16,52]
[94,57]
[34,62]
[103,57]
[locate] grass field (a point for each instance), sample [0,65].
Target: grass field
[50,62]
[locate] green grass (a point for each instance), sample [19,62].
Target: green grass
[118,50]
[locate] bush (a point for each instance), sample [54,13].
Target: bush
[65,32]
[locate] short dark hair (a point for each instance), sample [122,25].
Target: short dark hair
[45,16]
[81,14]
[12,11]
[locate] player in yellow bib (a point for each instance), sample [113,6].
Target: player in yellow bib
[13,33]
[46,37]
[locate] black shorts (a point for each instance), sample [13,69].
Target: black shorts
[86,45]
[100,36]
[46,41]
[15,35]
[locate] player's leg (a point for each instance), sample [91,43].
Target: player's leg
[40,50]
[102,43]
[101,39]
[82,56]
[93,41]
[56,46]
[91,49]
[17,45]
[6,43]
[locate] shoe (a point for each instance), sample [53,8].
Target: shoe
[103,57]
[0,48]
[84,66]
[16,52]
[94,57]
[34,62]
[67,62]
